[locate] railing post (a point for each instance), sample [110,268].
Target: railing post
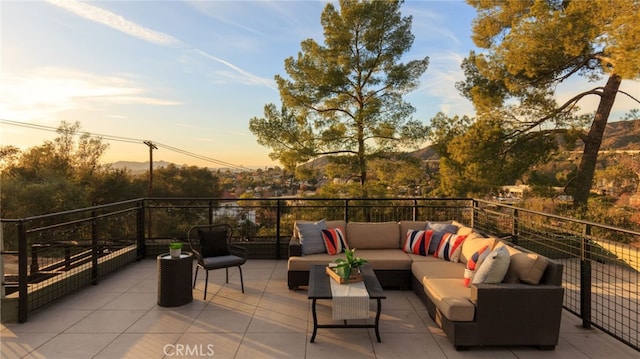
[474,213]
[278,218]
[415,210]
[35,266]
[515,231]
[94,248]
[585,277]
[23,306]
[141,243]
[346,210]
[210,212]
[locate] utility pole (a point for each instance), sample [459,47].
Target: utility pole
[150,191]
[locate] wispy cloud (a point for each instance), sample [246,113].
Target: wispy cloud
[119,23]
[115,21]
[245,76]
[49,91]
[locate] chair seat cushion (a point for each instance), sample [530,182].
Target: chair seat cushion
[221,262]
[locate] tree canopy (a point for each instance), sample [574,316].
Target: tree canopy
[344,98]
[532,46]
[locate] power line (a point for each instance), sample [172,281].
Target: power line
[128,140]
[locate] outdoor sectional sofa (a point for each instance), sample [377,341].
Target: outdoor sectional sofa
[521,307]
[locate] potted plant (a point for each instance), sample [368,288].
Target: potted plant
[175,249]
[344,267]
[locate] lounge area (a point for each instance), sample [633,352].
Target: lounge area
[119,318]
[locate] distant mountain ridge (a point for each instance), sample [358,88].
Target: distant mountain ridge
[619,135]
[138,166]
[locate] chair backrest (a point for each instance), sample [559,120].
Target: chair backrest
[195,237]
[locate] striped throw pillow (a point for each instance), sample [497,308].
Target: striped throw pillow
[474,263]
[450,247]
[334,240]
[417,242]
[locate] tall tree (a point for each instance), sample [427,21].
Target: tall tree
[533,46]
[345,97]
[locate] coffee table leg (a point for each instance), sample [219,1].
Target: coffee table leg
[315,320]
[378,320]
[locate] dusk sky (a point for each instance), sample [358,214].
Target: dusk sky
[192,74]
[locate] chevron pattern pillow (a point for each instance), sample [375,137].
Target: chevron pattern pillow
[417,242]
[450,247]
[334,240]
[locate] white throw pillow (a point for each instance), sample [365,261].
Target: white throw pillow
[494,267]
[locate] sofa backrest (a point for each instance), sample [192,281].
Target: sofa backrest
[530,267]
[337,223]
[369,235]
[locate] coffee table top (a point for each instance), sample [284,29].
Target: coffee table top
[320,285]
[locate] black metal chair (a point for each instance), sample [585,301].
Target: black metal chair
[213,250]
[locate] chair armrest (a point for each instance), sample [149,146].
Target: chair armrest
[295,247]
[239,251]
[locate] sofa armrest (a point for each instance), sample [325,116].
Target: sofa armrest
[295,247]
[529,310]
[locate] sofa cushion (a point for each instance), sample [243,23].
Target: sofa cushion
[334,240]
[379,259]
[450,247]
[525,267]
[310,235]
[381,235]
[436,268]
[304,263]
[472,243]
[417,242]
[386,259]
[337,224]
[451,298]
[494,267]
[439,229]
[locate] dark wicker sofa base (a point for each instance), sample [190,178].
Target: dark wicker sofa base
[494,325]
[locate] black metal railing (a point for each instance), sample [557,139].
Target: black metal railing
[47,257]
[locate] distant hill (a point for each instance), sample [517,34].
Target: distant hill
[622,135]
[142,167]
[619,135]
[137,167]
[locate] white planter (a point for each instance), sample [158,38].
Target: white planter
[175,253]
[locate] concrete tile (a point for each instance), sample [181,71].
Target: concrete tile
[106,321]
[73,345]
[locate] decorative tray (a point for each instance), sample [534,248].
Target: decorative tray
[353,278]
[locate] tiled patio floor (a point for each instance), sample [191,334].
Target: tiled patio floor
[119,318]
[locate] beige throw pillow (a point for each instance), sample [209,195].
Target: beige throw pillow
[526,267]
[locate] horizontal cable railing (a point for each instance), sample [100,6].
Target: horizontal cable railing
[46,257]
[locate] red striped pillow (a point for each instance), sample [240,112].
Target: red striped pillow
[417,242]
[334,240]
[474,263]
[450,247]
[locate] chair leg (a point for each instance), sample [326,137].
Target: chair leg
[227,273]
[206,284]
[241,280]
[195,277]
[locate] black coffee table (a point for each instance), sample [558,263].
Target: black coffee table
[320,288]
